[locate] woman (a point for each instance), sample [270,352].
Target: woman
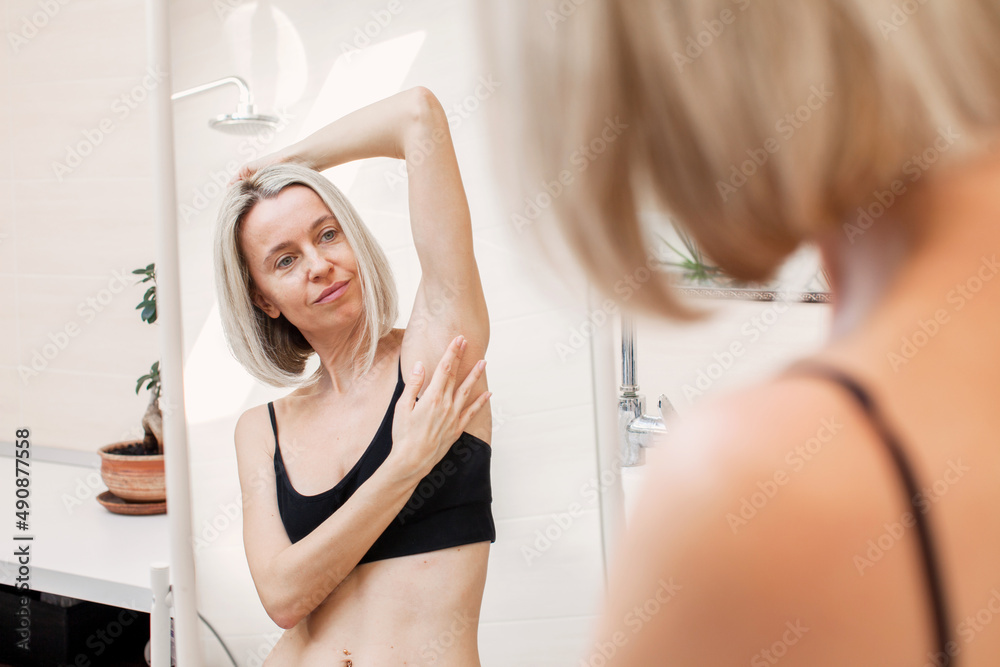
[842,512]
[369,550]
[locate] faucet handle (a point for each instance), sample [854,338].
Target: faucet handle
[666,407]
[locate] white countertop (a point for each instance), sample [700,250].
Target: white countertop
[80,549]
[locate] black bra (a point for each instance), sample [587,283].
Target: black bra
[945,644]
[451,505]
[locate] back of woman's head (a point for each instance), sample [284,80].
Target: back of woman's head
[273,349]
[755,124]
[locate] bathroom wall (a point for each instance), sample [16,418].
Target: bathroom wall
[75,219]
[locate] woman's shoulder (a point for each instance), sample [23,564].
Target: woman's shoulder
[789,435]
[785,472]
[757,503]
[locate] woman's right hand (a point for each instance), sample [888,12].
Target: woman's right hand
[423,431]
[248,169]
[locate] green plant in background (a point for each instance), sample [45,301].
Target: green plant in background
[148,303]
[696,270]
[152,421]
[694,267]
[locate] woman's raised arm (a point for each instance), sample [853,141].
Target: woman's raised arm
[413,126]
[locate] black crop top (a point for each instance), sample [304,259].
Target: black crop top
[450,506]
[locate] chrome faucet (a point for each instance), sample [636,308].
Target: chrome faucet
[638,430]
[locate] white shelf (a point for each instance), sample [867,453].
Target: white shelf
[80,549]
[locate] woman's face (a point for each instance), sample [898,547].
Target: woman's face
[295,251]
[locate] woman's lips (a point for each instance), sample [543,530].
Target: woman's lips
[335,294]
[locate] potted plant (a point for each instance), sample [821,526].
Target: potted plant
[133,470]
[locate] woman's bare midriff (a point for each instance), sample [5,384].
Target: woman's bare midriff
[412,610]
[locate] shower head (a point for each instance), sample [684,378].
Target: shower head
[246,120]
[243,123]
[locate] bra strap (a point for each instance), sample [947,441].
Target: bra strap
[274,426]
[932,569]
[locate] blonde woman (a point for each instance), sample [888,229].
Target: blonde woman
[367,528]
[843,511]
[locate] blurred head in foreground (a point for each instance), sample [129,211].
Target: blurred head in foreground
[756,125]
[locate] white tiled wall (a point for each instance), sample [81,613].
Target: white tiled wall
[63,242]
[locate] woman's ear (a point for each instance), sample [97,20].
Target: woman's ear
[269,308]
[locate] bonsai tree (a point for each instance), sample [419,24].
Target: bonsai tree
[152,421]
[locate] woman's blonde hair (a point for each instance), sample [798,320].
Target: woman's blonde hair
[755,124]
[272,349]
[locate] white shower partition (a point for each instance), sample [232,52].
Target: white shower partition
[183,594]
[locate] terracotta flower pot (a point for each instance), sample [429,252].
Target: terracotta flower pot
[135,478]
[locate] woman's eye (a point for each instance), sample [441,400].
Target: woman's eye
[281,262]
[330,231]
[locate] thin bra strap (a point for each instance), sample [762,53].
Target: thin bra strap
[931,567]
[274,424]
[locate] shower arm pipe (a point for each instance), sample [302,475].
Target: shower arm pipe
[246,99]
[183,592]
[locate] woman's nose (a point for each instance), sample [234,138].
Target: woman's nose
[317,265]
